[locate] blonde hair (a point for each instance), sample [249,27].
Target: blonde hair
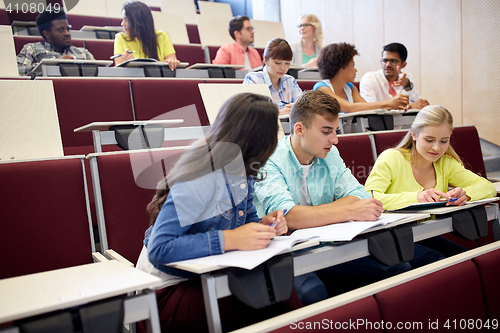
[318,31]
[431,115]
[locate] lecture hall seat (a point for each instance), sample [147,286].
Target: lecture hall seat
[81,101]
[101,49]
[451,293]
[167,98]
[125,215]
[192,54]
[45,225]
[78,21]
[488,266]
[194,36]
[20,41]
[4,18]
[356,151]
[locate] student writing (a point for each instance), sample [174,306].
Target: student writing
[206,207]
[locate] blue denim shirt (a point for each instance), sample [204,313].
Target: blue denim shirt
[327,181]
[209,197]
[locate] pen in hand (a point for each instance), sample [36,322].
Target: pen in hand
[274,223]
[119,55]
[372,194]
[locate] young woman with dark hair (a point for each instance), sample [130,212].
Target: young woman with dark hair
[141,37]
[205,207]
[284,89]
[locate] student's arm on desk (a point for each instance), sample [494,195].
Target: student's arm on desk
[397,102]
[475,186]
[341,210]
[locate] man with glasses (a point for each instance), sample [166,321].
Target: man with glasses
[239,52]
[390,81]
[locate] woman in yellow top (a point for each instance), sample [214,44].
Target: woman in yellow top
[423,165]
[141,38]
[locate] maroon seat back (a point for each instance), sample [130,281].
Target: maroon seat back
[365,309]
[386,140]
[169,99]
[20,41]
[356,152]
[83,101]
[193,34]
[224,81]
[78,21]
[100,49]
[125,212]
[4,18]
[212,50]
[115,22]
[451,293]
[43,216]
[306,84]
[465,141]
[488,266]
[193,54]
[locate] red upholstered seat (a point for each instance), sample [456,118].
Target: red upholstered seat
[193,34]
[465,141]
[386,140]
[43,217]
[19,41]
[4,18]
[78,21]
[360,312]
[100,49]
[212,50]
[193,54]
[356,152]
[306,84]
[225,81]
[125,210]
[488,266]
[83,101]
[451,293]
[170,99]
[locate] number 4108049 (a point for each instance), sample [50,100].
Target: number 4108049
[32,7]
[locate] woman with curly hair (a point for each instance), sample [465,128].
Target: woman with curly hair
[306,51]
[336,67]
[141,37]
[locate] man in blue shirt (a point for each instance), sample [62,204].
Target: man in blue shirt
[307,177]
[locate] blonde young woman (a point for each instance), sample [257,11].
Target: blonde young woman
[423,166]
[311,40]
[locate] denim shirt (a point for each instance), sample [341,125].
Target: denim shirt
[211,196]
[328,180]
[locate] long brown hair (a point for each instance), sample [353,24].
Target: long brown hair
[141,26]
[247,120]
[431,115]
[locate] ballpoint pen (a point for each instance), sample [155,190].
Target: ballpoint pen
[119,55]
[274,223]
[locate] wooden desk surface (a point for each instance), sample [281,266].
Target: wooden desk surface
[34,294]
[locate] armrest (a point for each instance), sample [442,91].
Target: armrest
[115,256]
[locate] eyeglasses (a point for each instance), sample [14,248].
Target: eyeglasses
[248,28]
[392,61]
[305,25]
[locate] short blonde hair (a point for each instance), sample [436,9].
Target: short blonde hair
[431,115]
[318,31]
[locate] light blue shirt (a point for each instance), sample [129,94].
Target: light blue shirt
[327,181]
[288,90]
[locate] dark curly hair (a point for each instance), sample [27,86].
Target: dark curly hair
[45,18]
[333,57]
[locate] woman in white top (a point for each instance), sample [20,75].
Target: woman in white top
[307,50]
[336,67]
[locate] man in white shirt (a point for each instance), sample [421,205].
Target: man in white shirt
[390,81]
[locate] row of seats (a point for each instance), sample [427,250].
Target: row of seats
[455,294]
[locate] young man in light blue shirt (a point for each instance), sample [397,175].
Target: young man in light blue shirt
[307,177]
